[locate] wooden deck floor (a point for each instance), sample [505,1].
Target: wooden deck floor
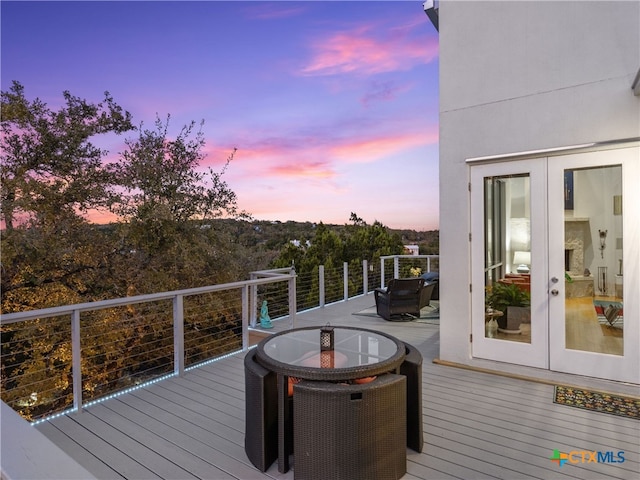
[476,425]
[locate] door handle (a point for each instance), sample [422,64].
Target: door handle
[554,292]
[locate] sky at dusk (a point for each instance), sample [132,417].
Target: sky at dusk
[332,105]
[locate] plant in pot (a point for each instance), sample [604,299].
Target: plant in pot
[514,302]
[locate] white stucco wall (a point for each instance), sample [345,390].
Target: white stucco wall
[518,76]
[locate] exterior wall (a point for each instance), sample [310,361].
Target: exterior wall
[518,76]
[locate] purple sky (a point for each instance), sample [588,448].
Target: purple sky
[333,105]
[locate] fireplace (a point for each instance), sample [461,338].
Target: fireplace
[577,239]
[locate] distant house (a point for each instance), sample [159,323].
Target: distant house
[539,175]
[298,243]
[412,250]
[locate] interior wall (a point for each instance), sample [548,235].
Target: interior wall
[594,191]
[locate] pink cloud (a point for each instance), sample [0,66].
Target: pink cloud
[366,150]
[358,51]
[313,169]
[284,160]
[305,157]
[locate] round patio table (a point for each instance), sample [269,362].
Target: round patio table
[357,353]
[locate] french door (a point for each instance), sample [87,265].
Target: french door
[556,263]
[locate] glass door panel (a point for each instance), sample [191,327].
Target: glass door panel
[594,259]
[593,238]
[509,301]
[507,234]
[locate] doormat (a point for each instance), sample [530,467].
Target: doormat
[598,402]
[429,314]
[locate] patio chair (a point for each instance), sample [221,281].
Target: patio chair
[352,432]
[402,297]
[433,277]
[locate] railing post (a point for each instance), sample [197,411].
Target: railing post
[245,316]
[345,282]
[178,335]
[253,304]
[292,300]
[76,361]
[365,277]
[321,285]
[382,273]
[396,267]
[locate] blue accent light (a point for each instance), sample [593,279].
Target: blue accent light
[213,360]
[132,389]
[102,399]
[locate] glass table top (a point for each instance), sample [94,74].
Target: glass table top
[356,349]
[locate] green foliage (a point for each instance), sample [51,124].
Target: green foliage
[49,165]
[162,183]
[51,174]
[500,296]
[332,247]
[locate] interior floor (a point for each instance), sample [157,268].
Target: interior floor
[584,331]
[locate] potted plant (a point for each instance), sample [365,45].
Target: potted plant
[512,301]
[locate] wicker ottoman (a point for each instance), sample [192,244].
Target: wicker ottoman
[261,413]
[412,369]
[350,431]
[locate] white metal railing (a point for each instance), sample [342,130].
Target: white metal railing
[165,314]
[74,313]
[403,260]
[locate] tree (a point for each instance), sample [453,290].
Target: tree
[51,173]
[161,179]
[52,256]
[370,242]
[168,205]
[49,166]
[355,243]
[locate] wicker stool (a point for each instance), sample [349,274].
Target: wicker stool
[412,369]
[350,431]
[261,413]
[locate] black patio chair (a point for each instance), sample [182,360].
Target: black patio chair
[403,297]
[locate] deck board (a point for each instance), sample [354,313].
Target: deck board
[477,425]
[95,443]
[196,455]
[70,446]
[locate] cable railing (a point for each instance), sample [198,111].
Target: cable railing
[61,359]
[404,266]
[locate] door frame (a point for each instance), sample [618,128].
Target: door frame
[534,354]
[547,350]
[624,367]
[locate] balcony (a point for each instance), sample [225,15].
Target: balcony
[184,418]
